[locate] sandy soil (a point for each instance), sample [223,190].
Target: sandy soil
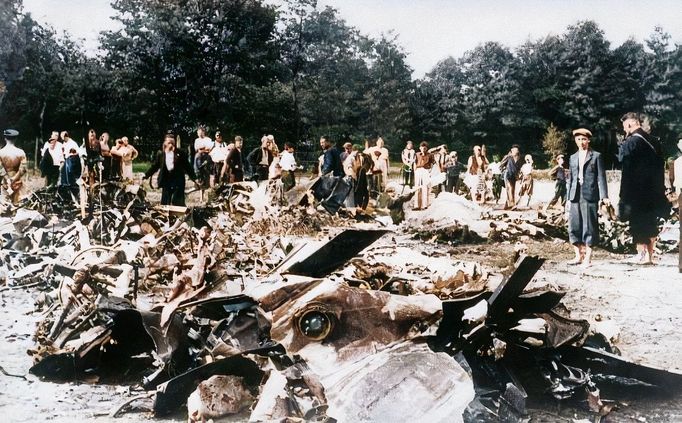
[640,305]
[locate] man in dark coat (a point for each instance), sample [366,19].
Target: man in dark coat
[332,158]
[234,164]
[586,186]
[172,165]
[260,159]
[511,165]
[642,186]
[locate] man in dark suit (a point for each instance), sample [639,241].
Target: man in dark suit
[332,158]
[172,165]
[260,159]
[642,186]
[586,187]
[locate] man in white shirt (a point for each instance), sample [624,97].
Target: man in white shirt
[288,165]
[49,165]
[202,160]
[69,144]
[218,155]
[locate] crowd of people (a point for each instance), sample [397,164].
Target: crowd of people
[580,182]
[63,160]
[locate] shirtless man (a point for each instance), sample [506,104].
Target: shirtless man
[13,160]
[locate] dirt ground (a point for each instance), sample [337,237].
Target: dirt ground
[638,305]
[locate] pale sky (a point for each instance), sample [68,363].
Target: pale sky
[431,30]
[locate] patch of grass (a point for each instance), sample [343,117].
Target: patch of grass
[141,166]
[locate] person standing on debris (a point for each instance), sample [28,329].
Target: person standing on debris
[558,173]
[172,165]
[422,176]
[381,164]
[93,158]
[331,160]
[511,166]
[642,186]
[52,157]
[347,149]
[127,153]
[356,166]
[526,179]
[70,175]
[440,155]
[288,165]
[234,165]
[408,157]
[203,166]
[452,167]
[586,187]
[105,150]
[68,144]
[13,160]
[477,166]
[260,159]
[218,155]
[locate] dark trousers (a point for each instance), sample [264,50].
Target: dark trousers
[52,177]
[173,194]
[288,179]
[262,173]
[68,192]
[361,192]
[115,171]
[217,168]
[559,193]
[583,222]
[408,176]
[451,180]
[235,176]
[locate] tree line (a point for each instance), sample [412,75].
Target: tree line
[299,71]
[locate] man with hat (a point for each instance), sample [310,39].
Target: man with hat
[586,187]
[642,186]
[13,160]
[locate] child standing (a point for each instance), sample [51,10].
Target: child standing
[526,179]
[560,174]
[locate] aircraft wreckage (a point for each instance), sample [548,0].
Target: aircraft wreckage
[304,343]
[237,320]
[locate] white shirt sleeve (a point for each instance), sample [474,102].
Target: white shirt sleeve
[287,161]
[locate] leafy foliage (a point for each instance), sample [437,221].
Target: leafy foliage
[553,142]
[299,71]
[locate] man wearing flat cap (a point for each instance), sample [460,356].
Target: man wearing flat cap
[586,187]
[642,186]
[13,160]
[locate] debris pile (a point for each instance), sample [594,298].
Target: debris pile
[328,334]
[221,310]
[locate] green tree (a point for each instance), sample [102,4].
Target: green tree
[390,86]
[553,142]
[178,63]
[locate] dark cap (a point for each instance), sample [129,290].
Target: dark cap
[11,133]
[631,115]
[515,146]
